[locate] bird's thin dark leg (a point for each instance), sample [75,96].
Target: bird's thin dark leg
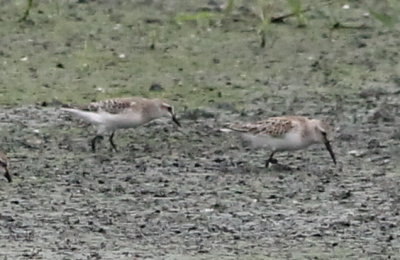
[271,160]
[7,175]
[94,140]
[112,142]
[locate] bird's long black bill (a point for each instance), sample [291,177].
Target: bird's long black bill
[329,148]
[176,120]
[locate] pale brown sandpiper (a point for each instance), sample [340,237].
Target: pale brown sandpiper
[113,114]
[285,133]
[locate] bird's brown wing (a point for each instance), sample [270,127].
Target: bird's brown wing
[273,126]
[117,105]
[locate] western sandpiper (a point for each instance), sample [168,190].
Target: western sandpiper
[286,133]
[4,164]
[112,114]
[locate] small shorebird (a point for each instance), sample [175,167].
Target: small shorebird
[285,133]
[112,114]
[4,164]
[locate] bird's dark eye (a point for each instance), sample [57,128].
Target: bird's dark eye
[169,109]
[323,133]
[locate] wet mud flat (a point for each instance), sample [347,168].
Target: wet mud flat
[196,192]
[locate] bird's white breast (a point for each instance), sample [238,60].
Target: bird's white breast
[123,120]
[287,142]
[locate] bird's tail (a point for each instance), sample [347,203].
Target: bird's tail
[230,128]
[90,117]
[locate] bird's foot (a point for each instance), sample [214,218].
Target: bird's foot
[113,148]
[8,176]
[94,140]
[272,161]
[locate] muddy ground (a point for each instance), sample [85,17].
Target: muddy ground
[194,192]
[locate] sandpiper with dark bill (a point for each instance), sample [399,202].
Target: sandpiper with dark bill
[285,133]
[113,114]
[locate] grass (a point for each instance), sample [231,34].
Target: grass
[198,60]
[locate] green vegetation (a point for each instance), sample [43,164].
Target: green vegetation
[27,10]
[297,10]
[78,52]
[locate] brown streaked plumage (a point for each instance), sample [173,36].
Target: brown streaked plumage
[112,114]
[4,164]
[285,133]
[273,126]
[120,105]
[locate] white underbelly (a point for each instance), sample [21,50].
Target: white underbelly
[286,143]
[117,121]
